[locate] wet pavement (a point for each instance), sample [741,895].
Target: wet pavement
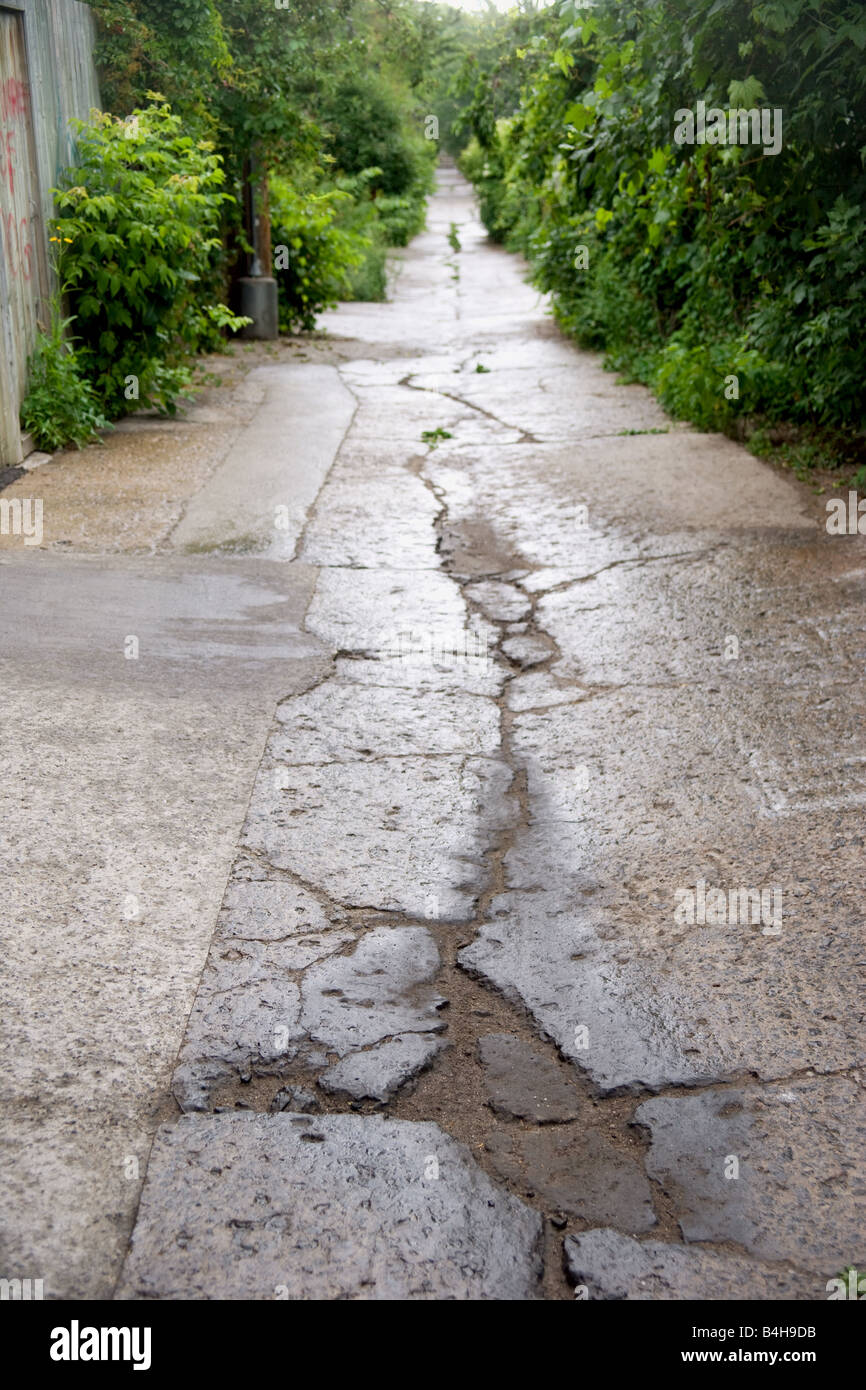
[539,965]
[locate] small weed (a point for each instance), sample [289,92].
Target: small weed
[453,238]
[434,437]
[480,368]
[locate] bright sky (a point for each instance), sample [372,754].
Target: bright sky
[481,4]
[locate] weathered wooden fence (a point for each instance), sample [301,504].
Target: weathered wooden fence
[47,75]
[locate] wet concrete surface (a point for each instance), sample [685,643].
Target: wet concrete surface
[745,1164]
[556,854]
[284,1206]
[124,786]
[607,1265]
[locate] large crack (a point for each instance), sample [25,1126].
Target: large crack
[614,1112]
[450,1085]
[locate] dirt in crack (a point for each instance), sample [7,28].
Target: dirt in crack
[454,1092]
[503,1133]
[590,1141]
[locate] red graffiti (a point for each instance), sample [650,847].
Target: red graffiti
[9,144]
[13,111]
[13,99]
[19,247]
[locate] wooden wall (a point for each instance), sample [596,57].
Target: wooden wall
[47,75]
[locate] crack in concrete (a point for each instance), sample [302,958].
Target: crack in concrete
[525,436]
[473,1006]
[634,562]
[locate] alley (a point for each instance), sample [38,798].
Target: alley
[462,882]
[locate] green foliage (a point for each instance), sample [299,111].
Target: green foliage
[369,280]
[337,231]
[690,380]
[178,49]
[60,406]
[374,134]
[687,264]
[402,216]
[221,317]
[328,100]
[317,250]
[358,216]
[435,437]
[137,222]
[367,130]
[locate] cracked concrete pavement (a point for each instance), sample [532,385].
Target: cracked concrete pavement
[459,735]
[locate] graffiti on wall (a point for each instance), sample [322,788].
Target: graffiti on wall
[17,241]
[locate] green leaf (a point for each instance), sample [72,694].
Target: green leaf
[746,94]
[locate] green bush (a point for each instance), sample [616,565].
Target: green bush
[377,146]
[486,168]
[705,261]
[402,216]
[368,282]
[368,129]
[60,406]
[358,216]
[313,255]
[316,96]
[179,48]
[330,240]
[138,223]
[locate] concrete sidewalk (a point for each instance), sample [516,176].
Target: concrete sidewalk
[137,692]
[494,824]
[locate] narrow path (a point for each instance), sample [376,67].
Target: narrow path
[585,662]
[473,1022]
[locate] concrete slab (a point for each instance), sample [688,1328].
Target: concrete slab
[604,1264]
[124,788]
[745,1164]
[258,499]
[332,1207]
